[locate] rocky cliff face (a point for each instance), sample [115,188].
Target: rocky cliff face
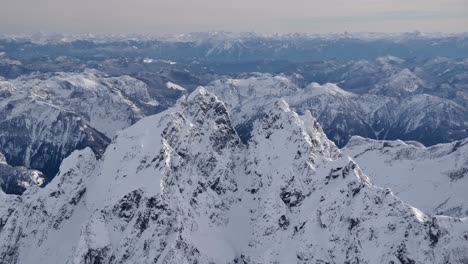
[181,187]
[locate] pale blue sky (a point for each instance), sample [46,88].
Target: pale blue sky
[267,16]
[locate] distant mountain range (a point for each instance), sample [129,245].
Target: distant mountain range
[247,47]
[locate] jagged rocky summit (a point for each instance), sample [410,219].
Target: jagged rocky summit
[181,187]
[46,116]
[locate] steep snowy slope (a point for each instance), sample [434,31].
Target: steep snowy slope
[180,187]
[434,179]
[422,117]
[44,117]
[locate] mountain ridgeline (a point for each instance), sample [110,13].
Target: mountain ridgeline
[45,117]
[182,187]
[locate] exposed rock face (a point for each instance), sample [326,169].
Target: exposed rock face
[181,187]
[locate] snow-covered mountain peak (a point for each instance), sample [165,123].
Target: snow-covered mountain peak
[402,83]
[87,93]
[80,160]
[315,89]
[249,98]
[200,94]
[282,122]
[180,187]
[74,171]
[198,127]
[282,105]
[60,112]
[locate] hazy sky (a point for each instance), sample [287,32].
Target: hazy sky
[268,16]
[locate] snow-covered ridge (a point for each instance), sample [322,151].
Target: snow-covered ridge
[67,91]
[343,113]
[60,112]
[433,179]
[181,187]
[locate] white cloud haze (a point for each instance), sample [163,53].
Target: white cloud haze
[181,16]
